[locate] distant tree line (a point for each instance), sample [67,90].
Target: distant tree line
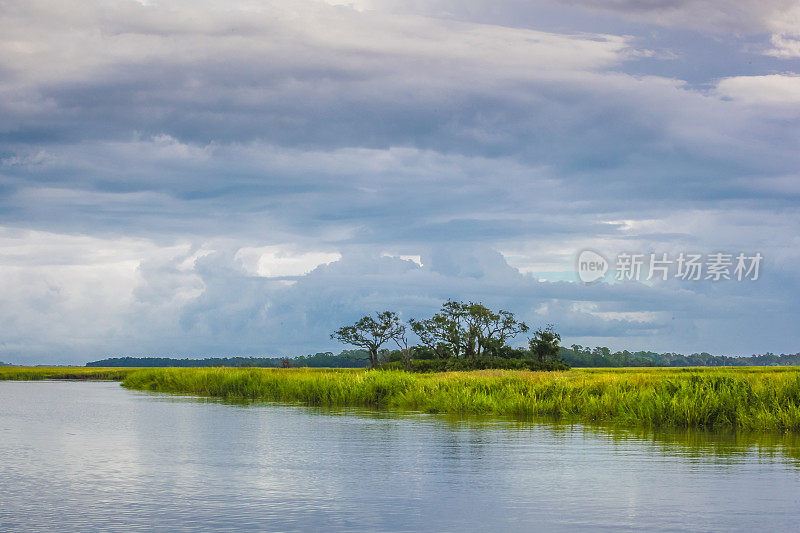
[346,359]
[580,356]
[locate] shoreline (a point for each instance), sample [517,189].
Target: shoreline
[738,398]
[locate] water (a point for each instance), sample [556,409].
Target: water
[88,456]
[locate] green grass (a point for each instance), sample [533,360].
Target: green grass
[742,398]
[748,398]
[20,373]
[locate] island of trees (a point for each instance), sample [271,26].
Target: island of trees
[461,336]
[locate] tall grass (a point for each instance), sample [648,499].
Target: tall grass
[19,373]
[738,398]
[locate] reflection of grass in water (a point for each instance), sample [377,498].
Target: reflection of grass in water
[727,446]
[721,446]
[734,398]
[655,405]
[20,373]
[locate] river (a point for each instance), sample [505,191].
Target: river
[83,456]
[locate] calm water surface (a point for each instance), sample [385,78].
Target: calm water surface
[87,456]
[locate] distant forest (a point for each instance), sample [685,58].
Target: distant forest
[580,356]
[576,356]
[346,359]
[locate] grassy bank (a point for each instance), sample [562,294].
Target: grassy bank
[732,398]
[20,373]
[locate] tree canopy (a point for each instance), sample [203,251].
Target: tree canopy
[467,330]
[371,333]
[544,344]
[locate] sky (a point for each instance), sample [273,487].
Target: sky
[196,178]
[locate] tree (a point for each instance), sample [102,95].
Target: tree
[371,333]
[492,330]
[445,333]
[401,340]
[467,330]
[544,344]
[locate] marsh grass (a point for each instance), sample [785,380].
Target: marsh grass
[745,398]
[709,398]
[26,373]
